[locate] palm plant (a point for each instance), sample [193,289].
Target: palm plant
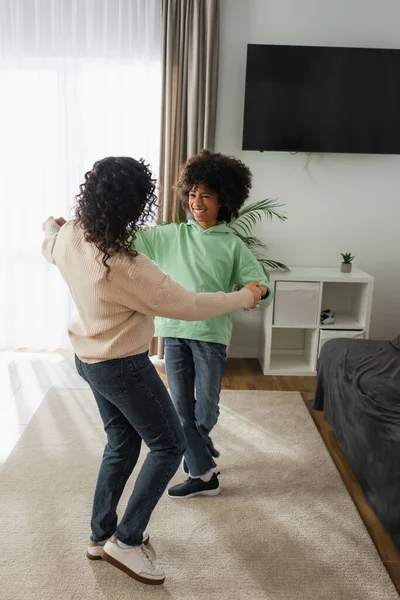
[245,222]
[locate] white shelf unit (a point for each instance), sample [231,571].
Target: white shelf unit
[292,334]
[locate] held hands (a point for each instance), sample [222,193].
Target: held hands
[257,291]
[60,221]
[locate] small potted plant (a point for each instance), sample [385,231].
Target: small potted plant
[347,262]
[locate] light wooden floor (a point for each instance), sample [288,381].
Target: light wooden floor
[246,374]
[25,379]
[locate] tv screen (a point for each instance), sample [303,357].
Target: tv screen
[322,99]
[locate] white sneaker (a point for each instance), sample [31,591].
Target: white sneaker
[136,561]
[95,550]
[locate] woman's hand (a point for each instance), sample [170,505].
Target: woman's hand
[256,290]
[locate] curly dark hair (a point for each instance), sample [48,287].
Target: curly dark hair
[224,175]
[116,199]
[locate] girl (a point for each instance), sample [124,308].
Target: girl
[203,255]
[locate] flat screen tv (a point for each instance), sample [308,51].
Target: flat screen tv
[322,99]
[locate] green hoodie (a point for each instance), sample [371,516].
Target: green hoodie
[201,260]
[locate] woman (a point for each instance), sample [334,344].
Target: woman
[117,293]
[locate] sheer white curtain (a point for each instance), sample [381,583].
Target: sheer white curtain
[79,80]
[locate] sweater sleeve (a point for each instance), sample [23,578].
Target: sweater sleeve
[50,237]
[156,294]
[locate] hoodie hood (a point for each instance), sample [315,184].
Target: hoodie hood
[220,228]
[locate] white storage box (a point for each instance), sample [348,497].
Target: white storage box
[332,334]
[296,304]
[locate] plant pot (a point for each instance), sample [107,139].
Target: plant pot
[346,267]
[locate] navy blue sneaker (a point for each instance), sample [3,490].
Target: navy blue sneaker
[195,487]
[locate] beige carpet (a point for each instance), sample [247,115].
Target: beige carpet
[283,528]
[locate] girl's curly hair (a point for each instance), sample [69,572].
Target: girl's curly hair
[116,199]
[224,175]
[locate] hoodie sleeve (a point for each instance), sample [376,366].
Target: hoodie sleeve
[146,241]
[248,269]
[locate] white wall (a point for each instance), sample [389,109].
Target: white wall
[335,202]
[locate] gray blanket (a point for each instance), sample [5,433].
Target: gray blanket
[358,389]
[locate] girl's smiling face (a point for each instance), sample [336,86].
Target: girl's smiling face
[205,205]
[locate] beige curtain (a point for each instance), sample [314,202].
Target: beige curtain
[189,95]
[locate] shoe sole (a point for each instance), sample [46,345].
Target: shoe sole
[204,493]
[99,556]
[92,557]
[128,571]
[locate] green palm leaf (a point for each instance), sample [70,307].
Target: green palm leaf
[244,224]
[255,213]
[268,264]
[250,241]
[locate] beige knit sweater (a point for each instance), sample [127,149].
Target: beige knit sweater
[116,314]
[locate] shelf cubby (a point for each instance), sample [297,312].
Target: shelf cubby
[292,333]
[293,350]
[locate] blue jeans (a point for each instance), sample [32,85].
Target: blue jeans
[134,406]
[196,365]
